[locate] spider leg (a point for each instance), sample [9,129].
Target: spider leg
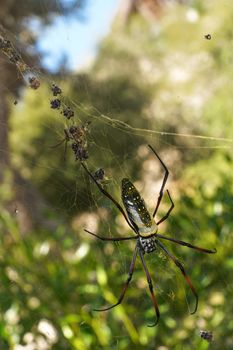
[102,190]
[163,183]
[65,149]
[58,144]
[180,266]
[66,138]
[169,210]
[111,238]
[186,244]
[149,281]
[130,275]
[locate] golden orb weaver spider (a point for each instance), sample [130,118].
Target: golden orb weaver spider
[145,227]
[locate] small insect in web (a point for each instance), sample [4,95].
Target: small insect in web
[34,83]
[67,112]
[55,104]
[99,174]
[146,229]
[56,90]
[207,36]
[207,335]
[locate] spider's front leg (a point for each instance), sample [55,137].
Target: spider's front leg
[168,212]
[108,195]
[116,239]
[163,183]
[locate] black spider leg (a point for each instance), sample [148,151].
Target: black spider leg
[58,144]
[163,183]
[111,238]
[180,266]
[149,281]
[186,244]
[102,190]
[168,212]
[124,289]
[66,140]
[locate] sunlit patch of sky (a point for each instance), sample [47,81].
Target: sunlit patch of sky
[77,37]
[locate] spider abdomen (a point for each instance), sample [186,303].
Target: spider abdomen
[136,209]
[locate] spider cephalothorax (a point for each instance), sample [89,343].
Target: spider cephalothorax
[147,244]
[146,229]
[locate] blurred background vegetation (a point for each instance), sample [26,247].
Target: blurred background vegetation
[158,80]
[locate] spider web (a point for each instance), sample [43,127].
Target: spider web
[119,146]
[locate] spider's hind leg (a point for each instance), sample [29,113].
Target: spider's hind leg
[180,266]
[149,281]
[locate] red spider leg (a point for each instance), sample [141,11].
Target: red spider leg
[102,190]
[169,210]
[180,266]
[163,183]
[149,281]
[110,238]
[186,244]
[130,275]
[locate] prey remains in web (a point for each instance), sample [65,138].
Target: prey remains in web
[147,237]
